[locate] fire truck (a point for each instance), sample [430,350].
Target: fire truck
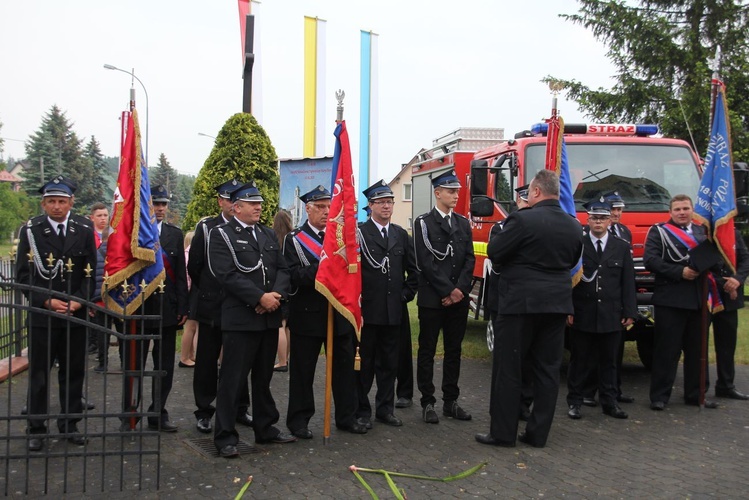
[645,168]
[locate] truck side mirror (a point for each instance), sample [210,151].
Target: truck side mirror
[479,177]
[482,206]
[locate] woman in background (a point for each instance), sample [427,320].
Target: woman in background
[282,226]
[190,330]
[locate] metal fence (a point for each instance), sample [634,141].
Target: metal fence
[119,450]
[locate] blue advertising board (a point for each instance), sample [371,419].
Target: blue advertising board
[299,176]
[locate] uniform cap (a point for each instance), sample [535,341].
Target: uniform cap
[319,193]
[522,192]
[614,199]
[160,194]
[598,207]
[227,188]
[247,192]
[59,186]
[378,190]
[446,180]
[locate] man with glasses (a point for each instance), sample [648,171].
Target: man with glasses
[387,257]
[604,302]
[308,319]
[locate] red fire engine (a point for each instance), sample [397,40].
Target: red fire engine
[643,167]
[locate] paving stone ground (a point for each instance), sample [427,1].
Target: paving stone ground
[678,453]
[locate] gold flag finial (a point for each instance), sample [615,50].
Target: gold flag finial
[556,86]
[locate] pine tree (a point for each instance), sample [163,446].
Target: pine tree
[101,180]
[663,51]
[242,151]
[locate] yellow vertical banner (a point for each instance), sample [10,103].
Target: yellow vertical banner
[310,85]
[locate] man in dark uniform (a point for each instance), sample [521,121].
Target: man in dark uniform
[246,259]
[444,256]
[208,313]
[535,254]
[604,301]
[172,307]
[53,239]
[308,319]
[726,322]
[387,258]
[617,207]
[677,298]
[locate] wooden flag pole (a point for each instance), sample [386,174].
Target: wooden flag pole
[328,377]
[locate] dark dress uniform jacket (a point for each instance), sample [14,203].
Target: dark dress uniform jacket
[175,294]
[742,271]
[80,249]
[624,231]
[438,278]
[244,289]
[534,255]
[308,308]
[671,289]
[209,292]
[383,293]
[602,302]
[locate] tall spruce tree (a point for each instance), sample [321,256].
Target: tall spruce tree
[663,51]
[243,151]
[101,178]
[164,175]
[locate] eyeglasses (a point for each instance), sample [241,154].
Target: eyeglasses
[320,206]
[384,202]
[598,218]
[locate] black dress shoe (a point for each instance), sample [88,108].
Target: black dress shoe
[657,406]
[525,414]
[453,409]
[429,415]
[574,412]
[390,419]
[245,419]
[614,411]
[281,438]
[166,426]
[204,425]
[731,394]
[404,403]
[365,421]
[590,402]
[303,433]
[282,369]
[524,438]
[87,405]
[621,398]
[708,404]
[77,439]
[228,451]
[488,439]
[36,443]
[185,365]
[355,428]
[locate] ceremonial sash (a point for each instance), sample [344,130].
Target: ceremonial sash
[309,243]
[168,267]
[714,303]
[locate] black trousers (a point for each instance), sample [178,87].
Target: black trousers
[70,350]
[305,351]
[593,353]
[206,373]
[537,339]
[590,386]
[379,358]
[135,354]
[452,321]
[725,326]
[246,353]
[405,374]
[676,330]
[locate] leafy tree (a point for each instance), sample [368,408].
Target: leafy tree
[663,51]
[243,151]
[15,209]
[100,181]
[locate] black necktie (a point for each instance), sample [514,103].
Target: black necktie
[322,235]
[251,229]
[385,233]
[449,222]
[600,248]
[61,233]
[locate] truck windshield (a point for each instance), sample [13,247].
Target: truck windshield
[645,175]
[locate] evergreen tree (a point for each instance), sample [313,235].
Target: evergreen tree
[243,151]
[164,175]
[101,179]
[663,51]
[58,147]
[181,196]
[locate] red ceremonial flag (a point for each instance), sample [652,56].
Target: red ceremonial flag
[339,273]
[133,267]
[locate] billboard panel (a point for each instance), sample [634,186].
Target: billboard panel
[299,176]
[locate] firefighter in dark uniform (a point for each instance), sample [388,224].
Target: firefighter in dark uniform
[208,313]
[308,319]
[245,256]
[444,256]
[388,282]
[617,207]
[172,306]
[677,298]
[54,240]
[604,302]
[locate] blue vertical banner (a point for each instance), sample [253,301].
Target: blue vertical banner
[368,117]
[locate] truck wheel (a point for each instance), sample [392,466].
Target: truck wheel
[490,335]
[645,350]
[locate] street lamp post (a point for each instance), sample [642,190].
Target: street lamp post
[132,97]
[206,135]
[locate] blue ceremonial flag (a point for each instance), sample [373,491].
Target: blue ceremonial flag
[134,265]
[715,206]
[566,195]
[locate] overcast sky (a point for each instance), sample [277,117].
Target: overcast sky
[442,65]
